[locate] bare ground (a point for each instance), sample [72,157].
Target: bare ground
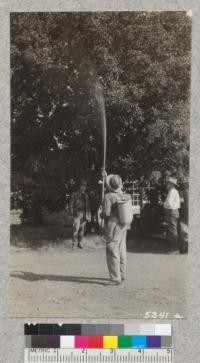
[54,281]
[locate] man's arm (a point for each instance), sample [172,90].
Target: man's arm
[166,202]
[106,207]
[71,205]
[88,209]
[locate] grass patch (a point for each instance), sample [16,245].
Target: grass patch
[36,237]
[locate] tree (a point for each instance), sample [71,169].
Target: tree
[142,62]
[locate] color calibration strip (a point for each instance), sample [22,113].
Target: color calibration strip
[98,342]
[99,329]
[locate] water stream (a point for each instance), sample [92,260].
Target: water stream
[101,103]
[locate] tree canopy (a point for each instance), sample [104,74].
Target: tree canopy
[141,61]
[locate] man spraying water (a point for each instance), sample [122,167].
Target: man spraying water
[116,225]
[114,205]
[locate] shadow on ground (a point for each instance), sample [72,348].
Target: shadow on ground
[29,276]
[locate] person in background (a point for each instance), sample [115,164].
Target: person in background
[115,233]
[94,199]
[184,218]
[171,207]
[79,209]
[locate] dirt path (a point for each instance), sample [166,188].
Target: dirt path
[56,282]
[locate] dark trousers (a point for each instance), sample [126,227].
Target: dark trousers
[171,218]
[78,228]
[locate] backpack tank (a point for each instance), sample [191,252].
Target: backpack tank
[125,209]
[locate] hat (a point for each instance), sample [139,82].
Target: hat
[114,182]
[169,179]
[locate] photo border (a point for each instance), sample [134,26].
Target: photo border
[186,332]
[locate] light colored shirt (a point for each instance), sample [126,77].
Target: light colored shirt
[173,199]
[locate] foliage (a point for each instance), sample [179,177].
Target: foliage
[142,62]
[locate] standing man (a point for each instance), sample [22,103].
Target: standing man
[80,211]
[184,218]
[172,206]
[115,232]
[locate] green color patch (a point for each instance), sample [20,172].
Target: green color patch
[124,341]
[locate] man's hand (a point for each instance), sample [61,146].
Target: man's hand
[104,173]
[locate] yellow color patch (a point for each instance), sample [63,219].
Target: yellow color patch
[110,342]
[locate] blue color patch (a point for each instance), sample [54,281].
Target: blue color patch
[139,341]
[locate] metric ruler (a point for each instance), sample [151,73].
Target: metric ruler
[45,355]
